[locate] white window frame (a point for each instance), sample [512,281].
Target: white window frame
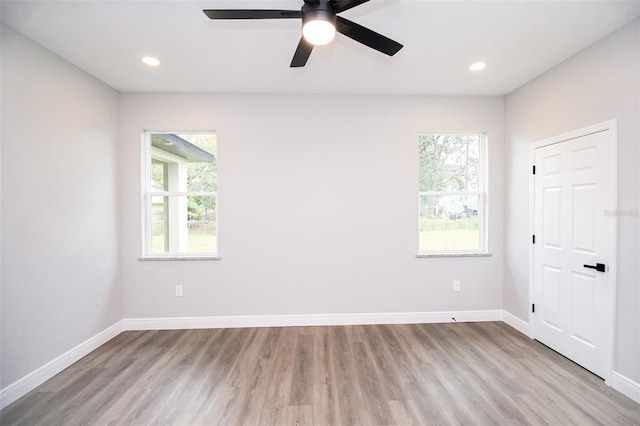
[147,208]
[482,194]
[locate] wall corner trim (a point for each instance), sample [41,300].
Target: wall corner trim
[37,377]
[625,386]
[519,324]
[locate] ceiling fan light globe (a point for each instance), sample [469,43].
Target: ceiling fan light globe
[318,32]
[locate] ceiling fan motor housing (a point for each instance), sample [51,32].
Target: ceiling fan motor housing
[318,10]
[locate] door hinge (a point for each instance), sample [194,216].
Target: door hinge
[533,239]
[534,170]
[533,308]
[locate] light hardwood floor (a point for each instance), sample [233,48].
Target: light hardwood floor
[459,373]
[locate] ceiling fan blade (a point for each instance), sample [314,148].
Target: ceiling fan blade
[302,54]
[252,14]
[342,5]
[367,37]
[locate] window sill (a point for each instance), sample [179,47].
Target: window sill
[480,254]
[154,258]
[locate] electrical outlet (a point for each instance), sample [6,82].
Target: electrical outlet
[456,286]
[179,291]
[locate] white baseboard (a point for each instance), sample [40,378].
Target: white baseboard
[34,379]
[310,320]
[29,382]
[625,386]
[521,325]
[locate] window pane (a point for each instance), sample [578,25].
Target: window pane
[183,224]
[160,237]
[202,172]
[158,173]
[202,224]
[449,222]
[183,163]
[449,162]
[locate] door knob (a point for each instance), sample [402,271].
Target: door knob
[600,267]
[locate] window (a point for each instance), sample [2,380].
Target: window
[452,193]
[181,183]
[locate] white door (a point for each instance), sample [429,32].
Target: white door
[574,189]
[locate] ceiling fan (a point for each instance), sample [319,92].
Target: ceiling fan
[320,21]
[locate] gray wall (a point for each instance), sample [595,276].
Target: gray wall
[318,207]
[598,84]
[336,228]
[60,281]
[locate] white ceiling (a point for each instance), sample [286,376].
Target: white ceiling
[518,39]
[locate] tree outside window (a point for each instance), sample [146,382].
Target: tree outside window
[451,193]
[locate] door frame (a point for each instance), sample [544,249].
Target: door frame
[612,202]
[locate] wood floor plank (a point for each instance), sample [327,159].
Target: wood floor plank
[405,355]
[186,399]
[429,374]
[489,383]
[278,382]
[301,392]
[323,364]
[350,404]
[325,405]
[373,394]
[240,377]
[386,366]
[404,412]
[435,405]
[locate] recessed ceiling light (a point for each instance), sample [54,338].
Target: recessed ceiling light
[151,61]
[477,66]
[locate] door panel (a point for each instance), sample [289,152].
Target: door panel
[583,308]
[552,287]
[572,191]
[552,209]
[584,203]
